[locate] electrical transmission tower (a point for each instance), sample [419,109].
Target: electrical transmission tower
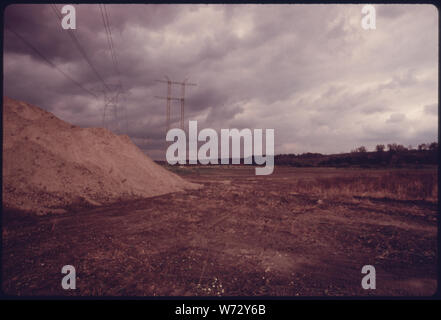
[169,99]
[114,113]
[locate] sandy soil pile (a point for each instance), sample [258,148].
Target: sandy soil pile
[49,164]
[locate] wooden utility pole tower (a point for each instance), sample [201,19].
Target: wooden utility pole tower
[169,98]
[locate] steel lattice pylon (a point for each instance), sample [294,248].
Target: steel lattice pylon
[114,113]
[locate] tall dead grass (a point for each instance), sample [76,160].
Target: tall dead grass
[394,185]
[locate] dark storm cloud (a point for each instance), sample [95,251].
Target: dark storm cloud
[431,109]
[308,71]
[396,117]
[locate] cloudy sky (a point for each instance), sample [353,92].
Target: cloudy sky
[311,72]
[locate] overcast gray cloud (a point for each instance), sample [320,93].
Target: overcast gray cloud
[308,71]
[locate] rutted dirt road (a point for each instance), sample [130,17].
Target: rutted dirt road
[240,235]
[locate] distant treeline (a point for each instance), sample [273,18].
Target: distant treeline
[392,155]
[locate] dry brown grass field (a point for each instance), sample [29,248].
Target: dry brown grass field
[395,184]
[297,232]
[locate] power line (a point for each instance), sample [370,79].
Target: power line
[106,22]
[111,40]
[48,61]
[80,48]
[112,103]
[106,27]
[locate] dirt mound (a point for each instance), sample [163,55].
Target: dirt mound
[49,164]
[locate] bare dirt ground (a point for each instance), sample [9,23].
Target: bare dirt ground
[241,235]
